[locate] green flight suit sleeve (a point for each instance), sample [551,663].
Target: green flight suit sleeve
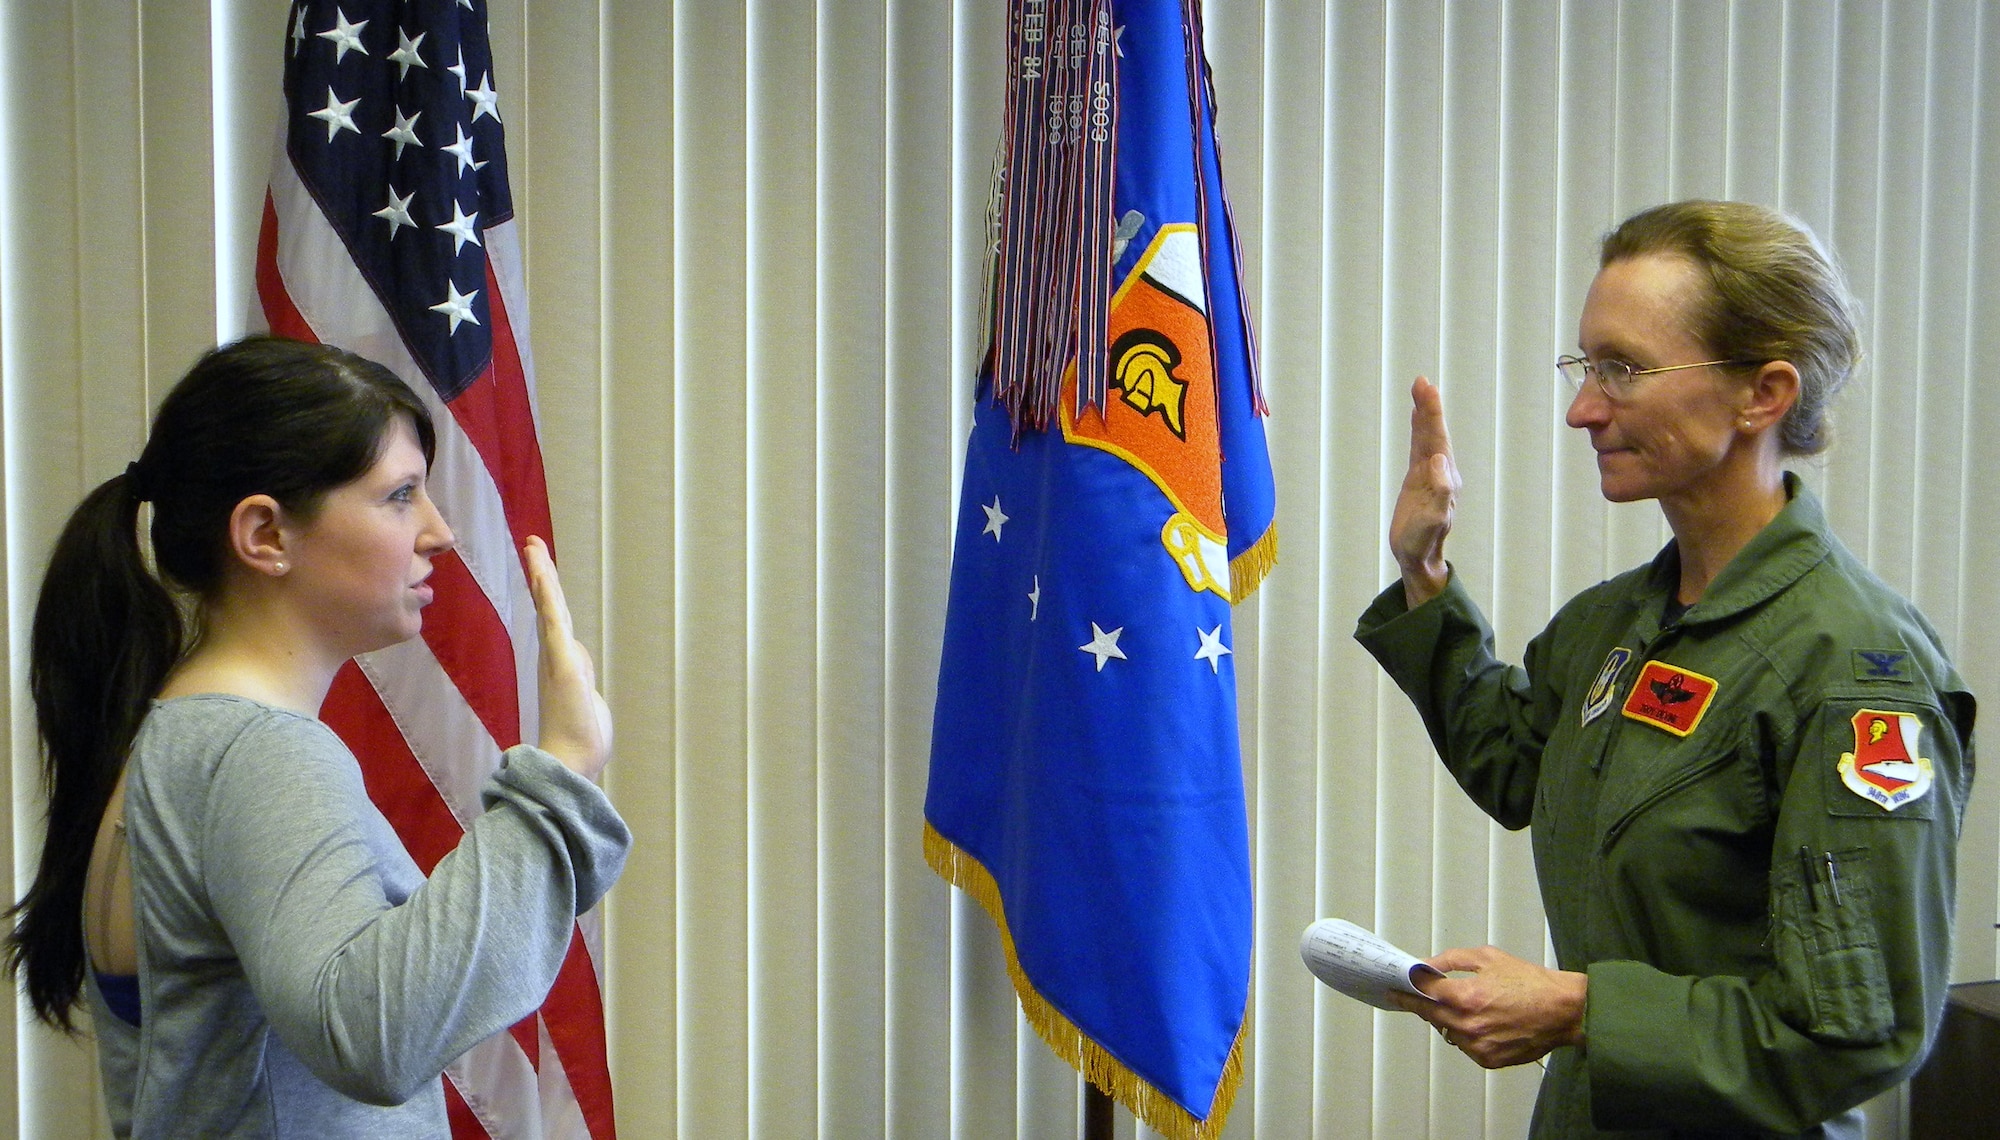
[1487,719]
[1862,949]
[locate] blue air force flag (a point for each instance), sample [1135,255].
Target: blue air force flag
[1085,780]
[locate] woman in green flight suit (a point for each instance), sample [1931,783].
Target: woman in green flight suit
[1745,763]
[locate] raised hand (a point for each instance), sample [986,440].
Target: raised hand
[1428,500]
[1509,1012]
[576,721]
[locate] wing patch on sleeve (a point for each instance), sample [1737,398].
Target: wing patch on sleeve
[1885,767]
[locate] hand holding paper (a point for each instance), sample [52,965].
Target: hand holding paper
[1508,1012]
[1501,1010]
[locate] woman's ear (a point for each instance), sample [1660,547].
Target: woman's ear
[260,535]
[1772,393]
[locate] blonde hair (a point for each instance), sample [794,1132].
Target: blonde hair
[1774,293]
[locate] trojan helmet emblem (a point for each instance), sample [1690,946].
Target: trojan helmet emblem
[1163,418]
[1142,368]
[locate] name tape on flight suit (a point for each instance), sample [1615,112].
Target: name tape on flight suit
[1670,698]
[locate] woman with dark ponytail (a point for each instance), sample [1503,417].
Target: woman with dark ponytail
[258,954]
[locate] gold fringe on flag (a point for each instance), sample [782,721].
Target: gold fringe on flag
[1247,570]
[1156,1109]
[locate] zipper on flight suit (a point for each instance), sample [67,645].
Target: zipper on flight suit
[1685,778]
[1643,656]
[1621,691]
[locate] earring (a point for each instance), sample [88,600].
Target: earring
[278,566]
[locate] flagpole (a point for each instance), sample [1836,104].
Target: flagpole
[1096,1113]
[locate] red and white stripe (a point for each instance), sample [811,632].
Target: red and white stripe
[429,718]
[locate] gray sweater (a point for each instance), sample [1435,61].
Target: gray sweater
[298,975]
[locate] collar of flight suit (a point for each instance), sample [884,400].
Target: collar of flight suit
[1779,555]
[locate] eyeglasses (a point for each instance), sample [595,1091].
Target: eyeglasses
[1616,377]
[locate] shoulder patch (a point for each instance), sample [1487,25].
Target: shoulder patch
[1669,698]
[1885,768]
[1881,665]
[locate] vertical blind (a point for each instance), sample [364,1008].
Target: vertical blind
[754,237]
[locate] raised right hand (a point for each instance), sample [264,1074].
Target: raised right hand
[576,721]
[1428,500]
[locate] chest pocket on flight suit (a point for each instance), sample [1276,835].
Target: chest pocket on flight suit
[1827,947]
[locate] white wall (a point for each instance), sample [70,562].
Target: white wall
[753,244]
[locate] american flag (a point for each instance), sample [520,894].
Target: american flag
[389,230]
